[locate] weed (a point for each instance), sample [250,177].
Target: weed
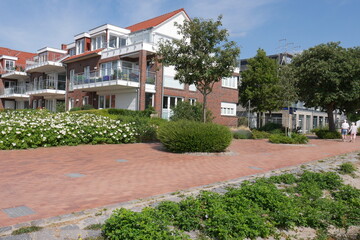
[96,226]
[26,230]
[347,168]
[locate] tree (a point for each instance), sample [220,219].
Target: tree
[328,77]
[260,84]
[203,55]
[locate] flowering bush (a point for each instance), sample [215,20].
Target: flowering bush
[31,129]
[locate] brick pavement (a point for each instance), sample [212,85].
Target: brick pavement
[37,178]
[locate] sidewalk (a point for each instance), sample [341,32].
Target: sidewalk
[48,182]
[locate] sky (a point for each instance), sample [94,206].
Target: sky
[273,25]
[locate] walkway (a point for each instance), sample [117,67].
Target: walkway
[61,180]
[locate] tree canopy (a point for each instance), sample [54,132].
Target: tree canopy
[202,56]
[260,84]
[329,78]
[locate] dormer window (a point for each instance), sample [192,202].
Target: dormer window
[97,42]
[116,41]
[9,65]
[80,46]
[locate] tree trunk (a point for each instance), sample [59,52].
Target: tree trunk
[330,110]
[204,107]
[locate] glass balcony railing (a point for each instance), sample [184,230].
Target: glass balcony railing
[47,84]
[150,77]
[44,57]
[14,90]
[104,75]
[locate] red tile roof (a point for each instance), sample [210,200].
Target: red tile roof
[82,55]
[22,56]
[154,21]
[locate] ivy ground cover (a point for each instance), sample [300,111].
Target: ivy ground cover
[31,129]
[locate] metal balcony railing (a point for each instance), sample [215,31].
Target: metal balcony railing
[44,57]
[47,84]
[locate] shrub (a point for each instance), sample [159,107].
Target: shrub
[268,127]
[242,134]
[75,109]
[26,230]
[243,121]
[326,134]
[294,139]
[260,134]
[128,225]
[186,111]
[87,107]
[60,106]
[31,129]
[347,168]
[187,136]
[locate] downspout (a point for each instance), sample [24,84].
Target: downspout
[162,93]
[66,88]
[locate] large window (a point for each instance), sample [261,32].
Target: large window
[116,41]
[105,101]
[80,46]
[72,79]
[149,100]
[108,68]
[9,65]
[98,42]
[228,109]
[230,82]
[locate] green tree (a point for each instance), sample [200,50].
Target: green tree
[328,77]
[203,55]
[260,84]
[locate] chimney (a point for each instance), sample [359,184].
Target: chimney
[63,47]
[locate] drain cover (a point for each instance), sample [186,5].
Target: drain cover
[256,168]
[18,211]
[121,160]
[75,175]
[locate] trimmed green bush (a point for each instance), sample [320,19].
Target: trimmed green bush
[326,134]
[187,136]
[242,134]
[260,134]
[294,139]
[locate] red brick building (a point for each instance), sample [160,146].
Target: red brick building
[114,67]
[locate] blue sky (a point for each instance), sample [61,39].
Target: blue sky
[29,25]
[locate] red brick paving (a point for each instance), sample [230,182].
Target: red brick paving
[37,178]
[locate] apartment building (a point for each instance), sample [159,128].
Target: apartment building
[296,115]
[13,79]
[115,67]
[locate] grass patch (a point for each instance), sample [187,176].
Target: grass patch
[347,168]
[96,226]
[26,230]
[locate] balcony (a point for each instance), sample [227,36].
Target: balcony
[110,79]
[15,92]
[48,88]
[46,62]
[17,72]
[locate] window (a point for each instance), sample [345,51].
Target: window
[72,51]
[98,42]
[9,65]
[170,102]
[105,101]
[116,41]
[87,72]
[230,82]
[192,101]
[170,82]
[80,46]
[149,100]
[71,103]
[228,109]
[34,104]
[108,68]
[192,87]
[85,100]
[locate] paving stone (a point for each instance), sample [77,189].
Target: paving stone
[70,227]
[17,237]
[5,229]
[20,211]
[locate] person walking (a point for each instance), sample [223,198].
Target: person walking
[344,130]
[353,132]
